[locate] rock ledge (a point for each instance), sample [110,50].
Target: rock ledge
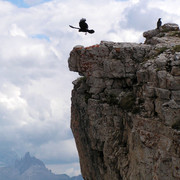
[125,113]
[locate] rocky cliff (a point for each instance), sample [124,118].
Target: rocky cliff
[125,113]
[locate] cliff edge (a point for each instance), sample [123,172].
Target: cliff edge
[125,113]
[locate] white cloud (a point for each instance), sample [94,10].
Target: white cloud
[10,97]
[36,83]
[70,169]
[66,151]
[166,5]
[16,31]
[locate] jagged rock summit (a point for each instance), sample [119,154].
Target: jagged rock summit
[31,168]
[125,113]
[26,162]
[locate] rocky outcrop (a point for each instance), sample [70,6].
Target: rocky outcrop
[125,113]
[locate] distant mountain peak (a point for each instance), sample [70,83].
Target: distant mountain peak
[31,168]
[26,162]
[27,155]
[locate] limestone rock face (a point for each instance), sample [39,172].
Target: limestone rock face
[125,113]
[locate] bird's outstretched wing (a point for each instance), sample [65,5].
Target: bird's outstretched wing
[73,27]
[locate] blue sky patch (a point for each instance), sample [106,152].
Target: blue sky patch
[25,4]
[41,36]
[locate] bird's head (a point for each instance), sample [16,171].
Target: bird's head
[83,19]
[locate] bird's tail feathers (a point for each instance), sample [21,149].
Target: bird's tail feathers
[91,31]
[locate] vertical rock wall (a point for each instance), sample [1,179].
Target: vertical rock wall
[125,113]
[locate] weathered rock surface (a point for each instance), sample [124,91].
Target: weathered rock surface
[126,107]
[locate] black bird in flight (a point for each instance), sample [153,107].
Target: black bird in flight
[83,27]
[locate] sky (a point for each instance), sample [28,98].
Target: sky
[35,82]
